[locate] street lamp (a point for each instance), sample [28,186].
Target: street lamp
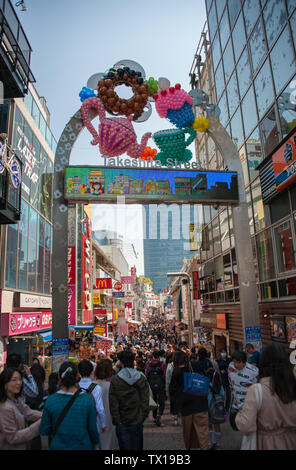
[190,320]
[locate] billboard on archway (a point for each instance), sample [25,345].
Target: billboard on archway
[150,185]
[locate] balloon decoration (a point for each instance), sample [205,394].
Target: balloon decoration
[116,135]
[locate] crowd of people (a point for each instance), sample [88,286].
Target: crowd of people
[102,402]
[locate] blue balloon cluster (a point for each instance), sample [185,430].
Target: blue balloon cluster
[181,118]
[86,93]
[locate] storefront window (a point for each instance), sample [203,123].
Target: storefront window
[32,251]
[23,247]
[263,89]
[285,248]
[243,72]
[11,256]
[224,230]
[287,108]
[254,151]
[257,46]
[268,290]
[216,236]
[287,287]
[283,64]
[274,15]
[251,12]
[265,255]
[269,132]
[258,206]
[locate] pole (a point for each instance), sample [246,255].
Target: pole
[190,317]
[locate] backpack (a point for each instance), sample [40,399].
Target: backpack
[89,391]
[156,378]
[217,411]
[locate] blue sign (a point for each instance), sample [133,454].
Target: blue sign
[253,336]
[60,346]
[118,294]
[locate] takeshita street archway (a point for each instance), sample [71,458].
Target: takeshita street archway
[116,136]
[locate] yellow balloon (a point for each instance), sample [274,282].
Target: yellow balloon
[200,124]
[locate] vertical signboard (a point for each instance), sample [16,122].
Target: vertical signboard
[72,265]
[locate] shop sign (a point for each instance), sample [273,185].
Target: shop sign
[126,280]
[193,237]
[97,299]
[71,305]
[103,283]
[221,321]
[60,351]
[71,265]
[118,294]
[284,163]
[100,329]
[212,322]
[100,312]
[34,301]
[117,285]
[86,272]
[24,322]
[87,316]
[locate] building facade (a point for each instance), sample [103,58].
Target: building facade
[245,62]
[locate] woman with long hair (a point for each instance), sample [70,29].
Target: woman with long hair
[14,414]
[275,421]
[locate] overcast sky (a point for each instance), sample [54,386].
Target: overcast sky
[74,39]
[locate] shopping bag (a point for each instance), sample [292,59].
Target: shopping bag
[196,384]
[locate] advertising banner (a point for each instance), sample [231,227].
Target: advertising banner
[284,163]
[24,322]
[71,305]
[150,185]
[103,283]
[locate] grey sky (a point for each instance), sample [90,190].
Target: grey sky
[74,39]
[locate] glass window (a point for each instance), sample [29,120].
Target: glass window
[216,51]
[23,247]
[231,233]
[228,61]
[219,80]
[220,4]
[207,214]
[253,242]
[48,136]
[257,46]
[291,5]
[227,270]
[263,89]
[233,8]
[265,255]
[208,4]
[212,20]
[287,108]
[287,287]
[224,229]
[251,12]
[224,30]
[243,72]
[11,256]
[47,260]
[219,272]
[254,152]
[258,207]
[232,92]
[279,207]
[42,126]
[244,162]
[269,132]
[35,178]
[237,128]
[285,249]
[282,59]
[28,100]
[293,26]
[249,112]
[238,37]
[216,236]
[35,112]
[224,116]
[250,210]
[229,296]
[274,15]
[40,254]
[268,290]
[32,250]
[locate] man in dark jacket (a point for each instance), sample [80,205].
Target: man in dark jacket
[156,374]
[129,403]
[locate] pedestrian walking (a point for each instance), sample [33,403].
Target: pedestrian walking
[203,363]
[14,413]
[156,376]
[37,403]
[85,369]
[223,362]
[193,408]
[169,391]
[102,376]
[69,415]
[217,410]
[241,376]
[129,403]
[275,421]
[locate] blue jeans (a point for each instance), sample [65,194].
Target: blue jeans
[130,437]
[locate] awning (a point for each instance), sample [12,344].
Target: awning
[82,327]
[46,335]
[135,322]
[105,338]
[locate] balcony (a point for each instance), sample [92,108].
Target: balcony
[15,54]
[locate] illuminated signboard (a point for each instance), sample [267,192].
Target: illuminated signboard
[147,186]
[284,163]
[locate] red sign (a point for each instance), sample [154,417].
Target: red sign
[71,265]
[100,312]
[196,287]
[117,285]
[126,280]
[221,320]
[284,163]
[103,283]
[24,322]
[86,271]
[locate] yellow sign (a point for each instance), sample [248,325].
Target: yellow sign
[96,299]
[193,237]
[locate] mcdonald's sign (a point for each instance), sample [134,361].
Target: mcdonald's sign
[103,283]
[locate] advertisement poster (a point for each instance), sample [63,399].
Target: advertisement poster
[284,163]
[278,330]
[291,328]
[60,351]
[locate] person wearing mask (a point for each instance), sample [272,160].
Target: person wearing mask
[78,428]
[223,363]
[15,434]
[193,408]
[275,421]
[241,376]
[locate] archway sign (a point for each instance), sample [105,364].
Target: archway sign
[152,176]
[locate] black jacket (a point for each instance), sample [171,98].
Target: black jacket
[186,403]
